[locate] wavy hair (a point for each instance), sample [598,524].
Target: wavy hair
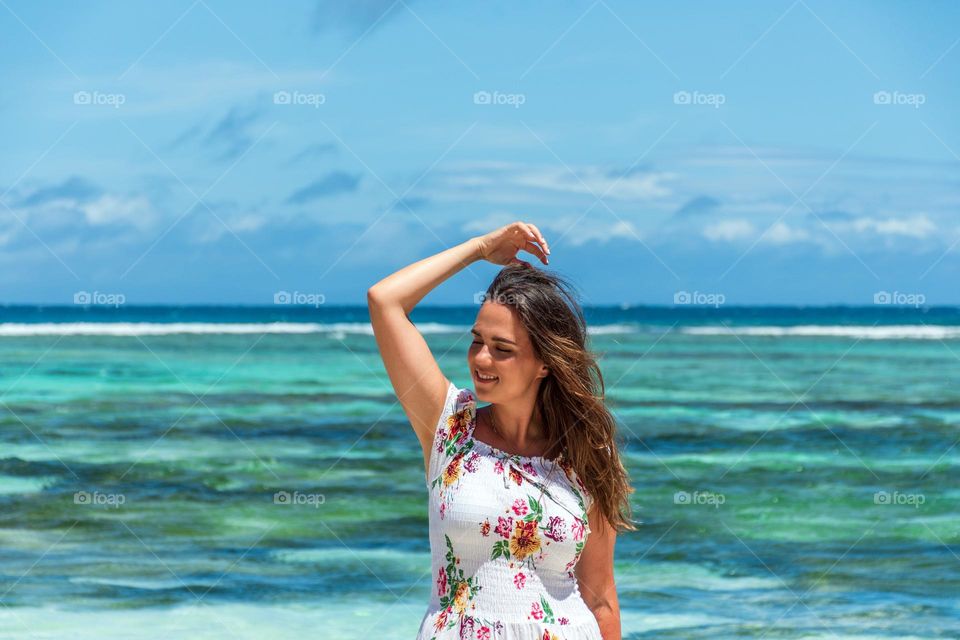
[570,400]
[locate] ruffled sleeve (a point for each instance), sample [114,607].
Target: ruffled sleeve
[446,425]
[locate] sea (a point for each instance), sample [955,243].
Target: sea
[247,472]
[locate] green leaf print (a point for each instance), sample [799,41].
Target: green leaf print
[453,571]
[501,548]
[536,511]
[548,612]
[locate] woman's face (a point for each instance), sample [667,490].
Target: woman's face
[501,348]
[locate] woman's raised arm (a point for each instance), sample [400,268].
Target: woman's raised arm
[420,385]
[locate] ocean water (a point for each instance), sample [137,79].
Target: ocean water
[241,472]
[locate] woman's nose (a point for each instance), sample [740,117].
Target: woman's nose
[483,357]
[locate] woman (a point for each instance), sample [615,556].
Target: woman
[525,492]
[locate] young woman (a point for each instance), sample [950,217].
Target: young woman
[526,492]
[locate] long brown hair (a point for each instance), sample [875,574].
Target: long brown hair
[570,400]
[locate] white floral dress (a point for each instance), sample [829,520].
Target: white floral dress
[505,535]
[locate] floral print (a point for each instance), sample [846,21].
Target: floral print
[500,519]
[555,529]
[519,580]
[504,526]
[457,601]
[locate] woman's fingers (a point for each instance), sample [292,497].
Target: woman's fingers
[540,238]
[537,251]
[534,235]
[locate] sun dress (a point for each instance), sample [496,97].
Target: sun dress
[505,536]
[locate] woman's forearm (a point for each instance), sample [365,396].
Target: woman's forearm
[608,619]
[410,284]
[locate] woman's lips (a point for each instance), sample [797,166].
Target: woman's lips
[476,375]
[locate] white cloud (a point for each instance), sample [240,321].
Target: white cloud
[489,181]
[214,229]
[781,233]
[729,230]
[573,229]
[113,209]
[918,226]
[595,181]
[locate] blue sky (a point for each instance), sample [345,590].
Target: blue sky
[798,152]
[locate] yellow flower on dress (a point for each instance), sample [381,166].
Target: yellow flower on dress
[460,600]
[452,473]
[458,423]
[525,539]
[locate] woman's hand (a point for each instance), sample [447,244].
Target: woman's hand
[501,246]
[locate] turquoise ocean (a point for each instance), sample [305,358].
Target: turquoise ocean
[246,472]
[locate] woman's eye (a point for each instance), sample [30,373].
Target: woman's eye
[498,348]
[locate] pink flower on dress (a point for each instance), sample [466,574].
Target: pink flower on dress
[577,528]
[519,580]
[536,611]
[442,582]
[563,621]
[519,507]
[483,633]
[485,528]
[498,466]
[504,526]
[555,529]
[443,508]
[529,468]
[441,438]
[471,463]
[466,627]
